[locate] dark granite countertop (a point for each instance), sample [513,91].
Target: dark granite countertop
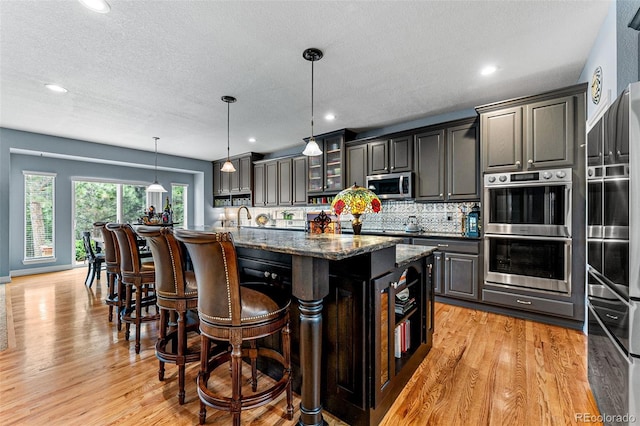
[407,253]
[326,246]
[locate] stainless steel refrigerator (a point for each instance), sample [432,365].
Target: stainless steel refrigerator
[613,253]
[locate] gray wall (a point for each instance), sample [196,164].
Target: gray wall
[628,44]
[73,159]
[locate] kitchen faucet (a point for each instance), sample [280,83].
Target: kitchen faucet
[238,215]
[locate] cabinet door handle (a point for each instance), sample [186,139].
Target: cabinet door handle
[441,194]
[385,168]
[394,284]
[610,153]
[523,302]
[393,167]
[449,194]
[448,259]
[613,317]
[619,153]
[518,163]
[530,161]
[443,245]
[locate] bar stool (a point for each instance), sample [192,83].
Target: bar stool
[177,295]
[138,279]
[95,259]
[111,252]
[234,313]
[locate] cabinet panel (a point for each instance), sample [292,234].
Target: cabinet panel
[271,183]
[285,193]
[300,180]
[549,130]
[315,179]
[430,152]
[384,321]
[594,144]
[356,165]
[246,167]
[502,139]
[259,195]
[234,177]
[333,163]
[401,154]
[217,179]
[378,157]
[461,275]
[463,154]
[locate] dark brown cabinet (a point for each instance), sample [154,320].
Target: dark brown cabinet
[273,183]
[533,133]
[235,188]
[326,171]
[457,267]
[356,164]
[393,155]
[447,163]
[299,180]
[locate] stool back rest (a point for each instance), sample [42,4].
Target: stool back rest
[168,260]
[86,240]
[111,249]
[216,269]
[129,254]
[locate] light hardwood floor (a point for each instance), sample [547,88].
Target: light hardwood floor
[67,365]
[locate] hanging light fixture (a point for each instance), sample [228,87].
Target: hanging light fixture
[228,166]
[155,186]
[312,147]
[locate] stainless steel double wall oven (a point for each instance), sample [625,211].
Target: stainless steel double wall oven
[613,255]
[528,229]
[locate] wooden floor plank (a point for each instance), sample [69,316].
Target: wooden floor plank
[66,364]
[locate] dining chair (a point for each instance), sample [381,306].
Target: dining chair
[94,259]
[232,314]
[177,295]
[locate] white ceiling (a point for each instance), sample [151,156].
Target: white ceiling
[158,68]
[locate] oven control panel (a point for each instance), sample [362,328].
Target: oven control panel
[555,175]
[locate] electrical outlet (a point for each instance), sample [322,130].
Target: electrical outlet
[448,217]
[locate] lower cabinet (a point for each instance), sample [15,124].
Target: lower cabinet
[457,267]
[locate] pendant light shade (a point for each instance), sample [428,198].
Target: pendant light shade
[155,186]
[228,166]
[312,148]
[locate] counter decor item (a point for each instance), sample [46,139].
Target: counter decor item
[473,219]
[262,219]
[356,200]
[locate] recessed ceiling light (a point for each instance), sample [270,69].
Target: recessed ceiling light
[490,69]
[330,117]
[252,140]
[100,6]
[55,88]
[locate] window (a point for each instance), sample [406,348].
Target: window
[39,215]
[179,203]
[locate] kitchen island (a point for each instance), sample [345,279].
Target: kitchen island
[358,276]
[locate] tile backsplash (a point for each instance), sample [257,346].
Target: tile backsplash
[430,217]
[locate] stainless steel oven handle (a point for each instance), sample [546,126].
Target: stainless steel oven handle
[528,237]
[568,209]
[443,245]
[613,317]
[523,302]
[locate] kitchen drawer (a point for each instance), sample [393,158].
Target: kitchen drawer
[457,246]
[528,303]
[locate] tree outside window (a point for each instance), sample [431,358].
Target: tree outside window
[39,215]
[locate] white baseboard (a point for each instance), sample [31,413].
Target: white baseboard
[44,269]
[4,280]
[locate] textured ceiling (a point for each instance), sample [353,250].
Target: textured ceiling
[159,68]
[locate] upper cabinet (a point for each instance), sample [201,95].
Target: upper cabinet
[235,187]
[356,164]
[391,155]
[533,133]
[326,171]
[447,163]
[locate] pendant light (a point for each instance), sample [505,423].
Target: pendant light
[227,166]
[155,186]
[312,148]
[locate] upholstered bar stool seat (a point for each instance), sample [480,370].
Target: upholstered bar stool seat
[177,295]
[138,279]
[235,314]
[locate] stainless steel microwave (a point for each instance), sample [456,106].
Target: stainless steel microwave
[392,186]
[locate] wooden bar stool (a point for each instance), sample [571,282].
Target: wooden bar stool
[177,294]
[138,279]
[111,252]
[234,313]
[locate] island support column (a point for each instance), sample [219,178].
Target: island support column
[310,286]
